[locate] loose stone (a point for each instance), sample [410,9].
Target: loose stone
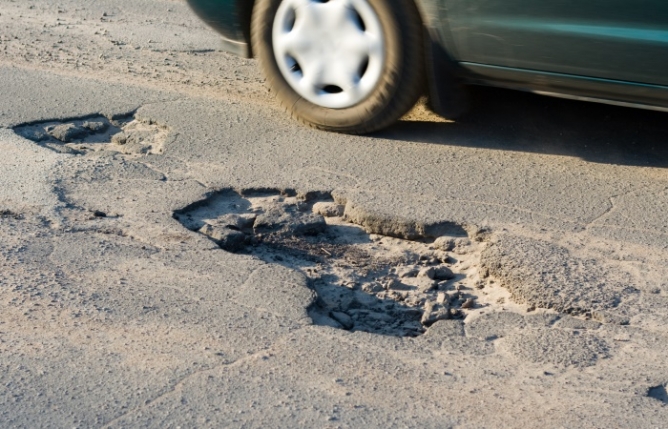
[393,284]
[444,243]
[67,132]
[443,273]
[469,303]
[374,287]
[228,239]
[408,272]
[328,209]
[426,285]
[427,272]
[95,126]
[345,320]
[119,139]
[434,312]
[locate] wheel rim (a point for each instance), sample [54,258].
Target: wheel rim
[331,52]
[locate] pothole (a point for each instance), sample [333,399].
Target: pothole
[363,281]
[127,135]
[9,214]
[659,393]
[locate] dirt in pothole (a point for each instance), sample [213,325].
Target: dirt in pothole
[126,135]
[363,281]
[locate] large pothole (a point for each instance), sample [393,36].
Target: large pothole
[123,134]
[363,281]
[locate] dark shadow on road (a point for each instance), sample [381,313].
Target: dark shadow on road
[518,121]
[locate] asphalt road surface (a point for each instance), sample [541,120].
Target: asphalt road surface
[176,252]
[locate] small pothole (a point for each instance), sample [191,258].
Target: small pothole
[9,214]
[363,281]
[659,393]
[127,135]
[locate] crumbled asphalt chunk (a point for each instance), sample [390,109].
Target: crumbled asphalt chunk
[289,220]
[410,271]
[434,312]
[311,224]
[469,303]
[548,276]
[345,320]
[443,273]
[119,139]
[227,238]
[461,245]
[96,126]
[445,243]
[67,132]
[328,209]
[425,286]
[378,284]
[376,223]
[138,141]
[480,234]
[427,272]
[237,222]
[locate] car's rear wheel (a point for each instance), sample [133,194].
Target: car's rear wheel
[351,66]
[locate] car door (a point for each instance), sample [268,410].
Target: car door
[612,39]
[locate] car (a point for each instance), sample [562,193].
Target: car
[357,66]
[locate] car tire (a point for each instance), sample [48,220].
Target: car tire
[390,78]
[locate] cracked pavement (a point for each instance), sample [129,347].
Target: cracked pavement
[115,315]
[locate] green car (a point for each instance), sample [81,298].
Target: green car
[356,66]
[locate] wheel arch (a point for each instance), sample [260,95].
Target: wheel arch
[447,96]
[245,12]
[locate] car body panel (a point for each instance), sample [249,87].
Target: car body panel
[570,86]
[230,18]
[601,50]
[612,39]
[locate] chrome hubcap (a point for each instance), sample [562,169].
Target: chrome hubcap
[331,52]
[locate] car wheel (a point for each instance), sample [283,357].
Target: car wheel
[352,66]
